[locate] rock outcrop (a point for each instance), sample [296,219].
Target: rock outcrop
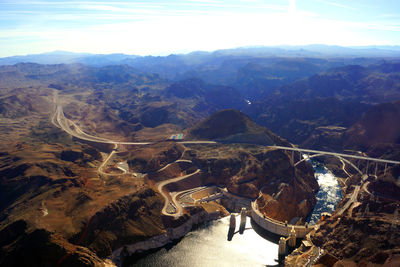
[130,219]
[246,169]
[22,245]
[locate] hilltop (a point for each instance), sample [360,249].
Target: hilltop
[233,126]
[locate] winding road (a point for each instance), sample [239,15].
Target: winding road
[177,205]
[104,163]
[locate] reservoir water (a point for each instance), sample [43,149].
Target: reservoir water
[208,245]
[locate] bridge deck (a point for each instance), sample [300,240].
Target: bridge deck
[336,154]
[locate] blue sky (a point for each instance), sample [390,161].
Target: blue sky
[163,27]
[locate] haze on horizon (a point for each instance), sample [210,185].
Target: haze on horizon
[159,27]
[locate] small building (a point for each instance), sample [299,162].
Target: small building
[306,243]
[176,137]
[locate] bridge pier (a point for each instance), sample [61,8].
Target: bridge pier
[385,169]
[292,159]
[376,168]
[367,167]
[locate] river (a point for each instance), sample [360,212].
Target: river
[208,245]
[329,193]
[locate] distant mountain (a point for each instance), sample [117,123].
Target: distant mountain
[200,57]
[377,133]
[337,97]
[314,50]
[207,97]
[254,71]
[373,84]
[76,74]
[63,57]
[56,57]
[352,51]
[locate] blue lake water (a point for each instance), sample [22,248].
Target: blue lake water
[208,246]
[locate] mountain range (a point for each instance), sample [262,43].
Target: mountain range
[58,57]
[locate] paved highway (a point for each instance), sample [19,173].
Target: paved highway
[71,128]
[177,161]
[352,199]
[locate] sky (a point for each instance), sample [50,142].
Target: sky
[151,27]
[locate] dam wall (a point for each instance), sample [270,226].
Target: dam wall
[275,226]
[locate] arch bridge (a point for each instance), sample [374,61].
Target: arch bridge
[345,157]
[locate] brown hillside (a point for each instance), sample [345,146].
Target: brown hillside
[233,126]
[381,124]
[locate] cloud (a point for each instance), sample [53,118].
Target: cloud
[157,27]
[115,9]
[336,4]
[389,16]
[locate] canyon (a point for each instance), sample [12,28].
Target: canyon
[66,200]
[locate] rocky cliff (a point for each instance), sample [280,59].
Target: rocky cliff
[246,169]
[367,234]
[23,245]
[379,125]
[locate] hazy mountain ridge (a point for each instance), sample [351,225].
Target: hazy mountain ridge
[135,100]
[197,57]
[226,67]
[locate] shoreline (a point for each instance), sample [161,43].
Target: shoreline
[172,234]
